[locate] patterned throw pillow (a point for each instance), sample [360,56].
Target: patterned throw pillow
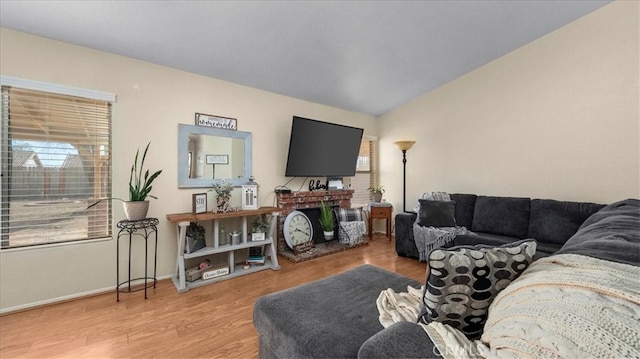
[351,233]
[348,214]
[463,281]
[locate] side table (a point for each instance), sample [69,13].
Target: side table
[142,228]
[380,211]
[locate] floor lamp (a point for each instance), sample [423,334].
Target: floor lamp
[404,146]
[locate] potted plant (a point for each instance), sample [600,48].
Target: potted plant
[137,206]
[194,238]
[327,221]
[259,228]
[223,193]
[376,192]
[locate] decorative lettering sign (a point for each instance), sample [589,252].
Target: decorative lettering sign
[303,247]
[217,159]
[317,185]
[258,237]
[215,272]
[225,123]
[199,203]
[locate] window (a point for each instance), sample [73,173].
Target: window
[366,173]
[55,160]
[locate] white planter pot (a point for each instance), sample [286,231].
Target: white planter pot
[135,211]
[258,236]
[328,235]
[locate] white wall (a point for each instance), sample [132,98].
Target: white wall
[151,101]
[557,118]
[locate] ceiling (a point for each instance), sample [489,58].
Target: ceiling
[364,56]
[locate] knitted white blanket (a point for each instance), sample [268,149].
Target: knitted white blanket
[399,307]
[563,306]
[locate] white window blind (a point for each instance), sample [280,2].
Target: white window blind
[366,172]
[56,158]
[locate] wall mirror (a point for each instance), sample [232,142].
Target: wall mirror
[209,155]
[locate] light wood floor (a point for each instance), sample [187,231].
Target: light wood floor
[214,321]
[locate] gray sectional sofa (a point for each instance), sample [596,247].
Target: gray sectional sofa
[500,220]
[337,317]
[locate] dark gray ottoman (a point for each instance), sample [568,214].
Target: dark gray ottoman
[328,318]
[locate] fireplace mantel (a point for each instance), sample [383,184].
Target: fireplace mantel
[290,202]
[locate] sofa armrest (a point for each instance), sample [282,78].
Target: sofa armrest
[401,340]
[405,244]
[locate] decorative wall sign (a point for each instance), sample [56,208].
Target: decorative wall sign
[217,159]
[225,123]
[199,203]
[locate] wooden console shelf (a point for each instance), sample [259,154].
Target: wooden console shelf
[182,221]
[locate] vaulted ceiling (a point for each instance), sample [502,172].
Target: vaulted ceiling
[364,56]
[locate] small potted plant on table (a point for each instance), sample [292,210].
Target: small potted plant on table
[327,221]
[259,228]
[376,193]
[223,194]
[194,238]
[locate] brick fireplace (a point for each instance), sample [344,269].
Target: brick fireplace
[302,200]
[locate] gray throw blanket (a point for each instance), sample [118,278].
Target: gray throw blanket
[430,238]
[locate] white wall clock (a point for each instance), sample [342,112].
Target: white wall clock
[297,229]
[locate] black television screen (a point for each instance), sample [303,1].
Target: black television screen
[324,149]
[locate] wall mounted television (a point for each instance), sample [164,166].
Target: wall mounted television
[322,149]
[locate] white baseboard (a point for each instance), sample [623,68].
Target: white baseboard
[65,298]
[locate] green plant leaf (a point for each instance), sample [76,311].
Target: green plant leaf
[139,187]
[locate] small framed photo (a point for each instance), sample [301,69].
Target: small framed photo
[225,123]
[199,202]
[217,159]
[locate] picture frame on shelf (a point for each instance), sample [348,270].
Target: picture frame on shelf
[199,203]
[225,123]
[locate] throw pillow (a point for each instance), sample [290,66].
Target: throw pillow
[463,281]
[432,196]
[348,214]
[351,233]
[437,213]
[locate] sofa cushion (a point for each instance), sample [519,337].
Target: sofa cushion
[555,221]
[437,213]
[463,281]
[327,318]
[465,204]
[508,216]
[486,239]
[400,340]
[403,231]
[611,234]
[545,249]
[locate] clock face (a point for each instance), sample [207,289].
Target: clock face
[297,229]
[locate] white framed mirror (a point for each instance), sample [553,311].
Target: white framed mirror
[209,155]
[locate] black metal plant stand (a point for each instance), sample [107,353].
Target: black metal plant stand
[142,228]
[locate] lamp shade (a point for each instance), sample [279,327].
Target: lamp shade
[404,145]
